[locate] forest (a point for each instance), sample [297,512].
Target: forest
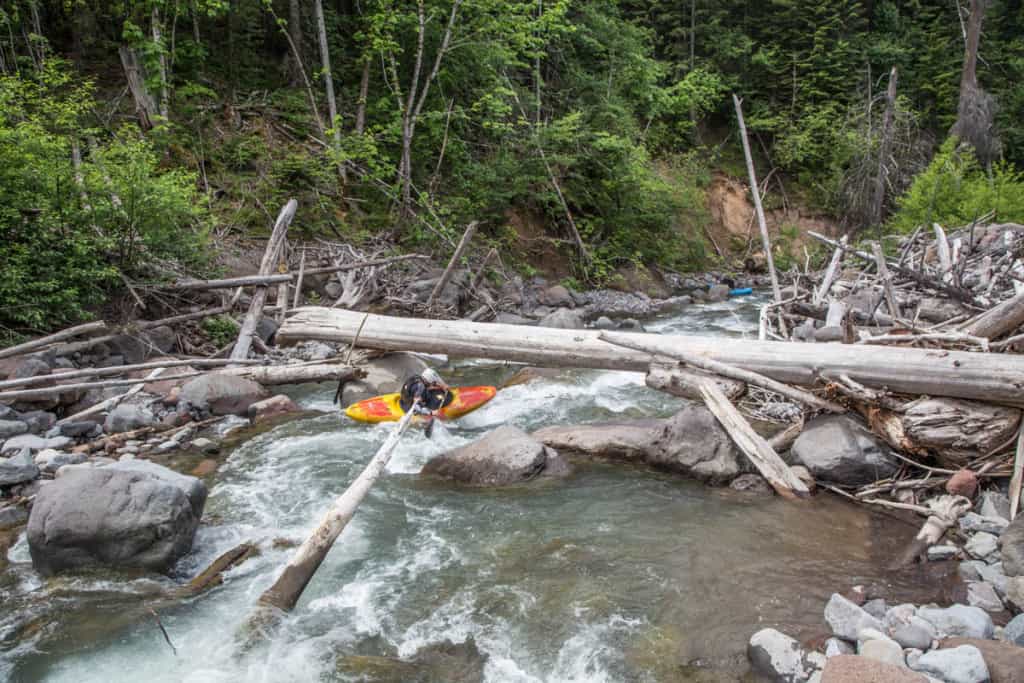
[136,136]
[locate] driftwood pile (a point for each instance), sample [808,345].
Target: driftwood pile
[945,292]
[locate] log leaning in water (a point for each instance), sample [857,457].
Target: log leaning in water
[288,587]
[996,378]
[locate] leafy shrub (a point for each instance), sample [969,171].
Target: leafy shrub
[954,190]
[220,329]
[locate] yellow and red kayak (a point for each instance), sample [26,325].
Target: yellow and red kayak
[386,408]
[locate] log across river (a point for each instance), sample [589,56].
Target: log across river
[995,378]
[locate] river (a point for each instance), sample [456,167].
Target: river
[617,573]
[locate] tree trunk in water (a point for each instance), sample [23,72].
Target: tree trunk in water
[332,104]
[288,588]
[884,150]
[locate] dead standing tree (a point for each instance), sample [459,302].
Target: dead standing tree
[976,110]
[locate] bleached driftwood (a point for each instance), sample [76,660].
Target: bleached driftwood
[753,445]
[452,262]
[988,377]
[998,320]
[288,587]
[259,297]
[48,340]
[723,369]
[945,510]
[672,378]
[117,370]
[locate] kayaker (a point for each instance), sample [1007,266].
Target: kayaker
[427,394]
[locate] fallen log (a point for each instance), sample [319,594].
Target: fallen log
[725,370]
[998,320]
[139,326]
[229,282]
[452,262]
[672,378]
[753,445]
[118,370]
[43,342]
[259,297]
[288,588]
[274,375]
[963,374]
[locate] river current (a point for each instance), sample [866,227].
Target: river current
[618,573]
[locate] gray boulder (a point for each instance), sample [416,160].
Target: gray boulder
[846,619]
[11,517]
[982,594]
[126,417]
[30,367]
[964,664]
[9,428]
[718,293]
[17,469]
[162,339]
[693,442]
[505,456]
[384,375]
[556,296]
[24,441]
[1014,631]
[266,329]
[131,514]
[78,429]
[1012,547]
[38,421]
[982,545]
[840,450]
[972,522]
[626,440]
[505,318]
[221,394]
[778,657]
[959,620]
[563,318]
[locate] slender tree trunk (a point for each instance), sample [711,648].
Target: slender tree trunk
[364,93]
[158,39]
[976,108]
[762,224]
[332,103]
[884,150]
[295,33]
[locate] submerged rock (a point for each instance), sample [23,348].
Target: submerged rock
[505,456]
[133,514]
[271,407]
[840,450]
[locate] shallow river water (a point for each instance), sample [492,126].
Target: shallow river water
[617,573]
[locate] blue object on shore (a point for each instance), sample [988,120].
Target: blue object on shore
[742,291]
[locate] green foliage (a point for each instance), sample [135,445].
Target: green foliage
[65,236]
[954,191]
[220,330]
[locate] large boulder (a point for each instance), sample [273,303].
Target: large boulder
[837,449]
[127,417]
[959,620]
[693,442]
[132,514]
[626,440]
[221,394]
[563,318]
[963,664]
[384,375]
[1012,547]
[508,455]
